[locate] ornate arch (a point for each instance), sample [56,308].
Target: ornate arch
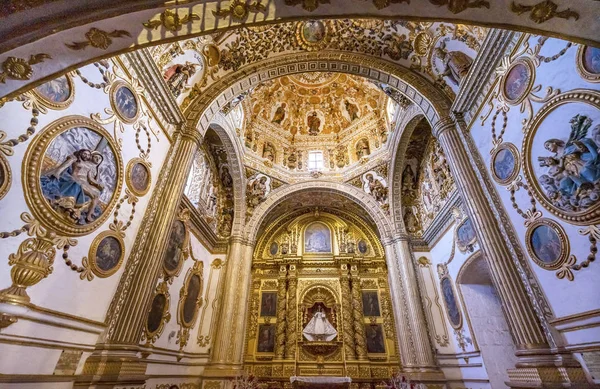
[366,201]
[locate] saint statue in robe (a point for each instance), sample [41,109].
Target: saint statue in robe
[319,328]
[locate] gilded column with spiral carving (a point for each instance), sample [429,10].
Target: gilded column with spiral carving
[281,314]
[357,314]
[348,322]
[292,314]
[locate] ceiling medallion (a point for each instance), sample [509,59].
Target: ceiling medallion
[313,35]
[240,9]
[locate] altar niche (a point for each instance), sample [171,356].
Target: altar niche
[320,314]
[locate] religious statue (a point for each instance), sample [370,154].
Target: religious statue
[248,138]
[279,114]
[257,191]
[341,156]
[73,186]
[178,75]
[411,222]
[409,186]
[269,152]
[319,328]
[352,110]
[226,179]
[314,123]
[377,189]
[456,63]
[362,148]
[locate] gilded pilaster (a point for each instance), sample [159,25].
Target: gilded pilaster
[292,314]
[357,314]
[281,313]
[348,322]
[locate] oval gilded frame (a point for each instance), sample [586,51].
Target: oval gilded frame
[564,240]
[129,172]
[185,246]
[196,270]
[312,46]
[456,300]
[586,96]
[583,72]
[53,104]
[92,254]
[113,102]
[5,167]
[531,79]
[468,245]
[152,336]
[32,170]
[517,168]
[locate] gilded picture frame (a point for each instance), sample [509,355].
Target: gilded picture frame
[590,215]
[309,45]
[55,105]
[530,79]
[196,270]
[157,317]
[6,175]
[464,246]
[583,72]
[561,239]
[458,323]
[114,103]
[93,256]
[180,232]
[512,149]
[33,161]
[131,181]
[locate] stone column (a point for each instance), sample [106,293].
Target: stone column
[347,321]
[357,314]
[116,358]
[281,313]
[227,350]
[292,315]
[532,345]
[415,344]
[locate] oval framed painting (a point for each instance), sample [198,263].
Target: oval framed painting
[159,314]
[505,163]
[138,176]
[191,295]
[451,303]
[177,248]
[313,34]
[274,248]
[547,243]
[588,63]
[5,176]
[56,94]
[363,247]
[560,158]
[125,102]
[106,254]
[72,175]
[518,81]
[465,235]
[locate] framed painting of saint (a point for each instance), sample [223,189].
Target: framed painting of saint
[106,254]
[177,246]
[375,338]
[370,300]
[266,338]
[268,304]
[317,238]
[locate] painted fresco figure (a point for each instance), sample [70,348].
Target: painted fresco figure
[314,123]
[279,114]
[456,63]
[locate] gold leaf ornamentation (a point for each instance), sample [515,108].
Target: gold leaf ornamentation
[458,6]
[98,39]
[381,4]
[170,20]
[307,5]
[19,68]
[544,11]
[240,9]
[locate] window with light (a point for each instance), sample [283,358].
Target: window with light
[315,160]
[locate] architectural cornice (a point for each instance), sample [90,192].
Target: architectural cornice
[442,220]
[150,77]
[475,86]
[202,231]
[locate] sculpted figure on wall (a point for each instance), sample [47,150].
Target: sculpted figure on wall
[376,187]
[456,64]
[362,148]
[279,115]
[352,110]
[313,123]
[257,190]
[269,152]
[177,77]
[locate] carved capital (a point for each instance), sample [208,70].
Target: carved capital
[443,125]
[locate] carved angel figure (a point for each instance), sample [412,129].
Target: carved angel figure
[456,64]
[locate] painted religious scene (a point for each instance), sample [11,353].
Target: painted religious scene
[317,239]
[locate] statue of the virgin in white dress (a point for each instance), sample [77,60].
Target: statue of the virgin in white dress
[319,328]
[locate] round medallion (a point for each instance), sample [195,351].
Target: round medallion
[505,163]
[560,157]
[274,249]
[5,176]
[72,175]
[518,81]
[56,94]
[174,255]
[138,176]
[125,102]
[191,301]
[362,246]
[588,63]
[312,34]
[106,254]
[157,311]
[547,244]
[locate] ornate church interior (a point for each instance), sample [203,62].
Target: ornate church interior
[245,194]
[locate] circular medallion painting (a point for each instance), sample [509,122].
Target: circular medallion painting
[452,307]
[518,81]
[138,177]
[72,175]
[157,311]
[312,34]
[173,258]
[274,249]
[588,63]
[362,246]
[191,303]
[5,176]
[547,244]
[125,102]
[106,254]
[561,160]
[505,163]
[56,94]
